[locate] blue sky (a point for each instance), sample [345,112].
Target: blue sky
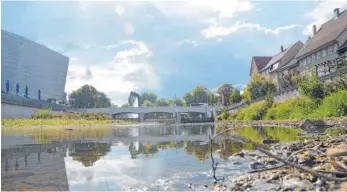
[166,47]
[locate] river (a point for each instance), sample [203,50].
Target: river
[124,158]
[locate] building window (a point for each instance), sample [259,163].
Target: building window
[318,55]
[313,57]
[308,60]
[305,62]
[324,52]
[330,50]
[335,48]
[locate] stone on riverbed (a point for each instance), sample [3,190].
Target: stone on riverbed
[312,124]
[270,141]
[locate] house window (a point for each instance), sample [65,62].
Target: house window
[313,56]
[324,52]
[308,60]
[318,55]
[305,62]
[330,50]
[335,48]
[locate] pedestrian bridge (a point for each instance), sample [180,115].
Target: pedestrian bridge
[141,111]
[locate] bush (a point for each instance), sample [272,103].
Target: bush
[297,108]
[334,105]
[255,111]
[258,87]
[310,86]
[48,114]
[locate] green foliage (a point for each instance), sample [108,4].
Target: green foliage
[296,108]
[42,114]
[256,111]
[310,86]
[188,98]
[200,94]
[269,99]
[235,96]
[334,105]
[176,102]
[132,96]
[148,103]
[87,96]
[152,97]
[336,84]
[258,87]
[162,102]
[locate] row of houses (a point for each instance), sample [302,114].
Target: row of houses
[324,49]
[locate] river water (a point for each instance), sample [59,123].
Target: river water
[124,158]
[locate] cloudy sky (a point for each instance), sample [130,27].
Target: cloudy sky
[167,47]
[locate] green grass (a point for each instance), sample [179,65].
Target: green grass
[33,122]
[333,105]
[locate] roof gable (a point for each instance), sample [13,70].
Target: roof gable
[327,33]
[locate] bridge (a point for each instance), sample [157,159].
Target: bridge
[175,111]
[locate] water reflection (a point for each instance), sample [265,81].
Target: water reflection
[155,158]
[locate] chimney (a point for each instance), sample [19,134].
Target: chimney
[337,12]
[282,49]
[314,29]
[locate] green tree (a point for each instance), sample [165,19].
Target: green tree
[225,91]
[162,102]
[177,102]
[200,94]
[258,87]
[235,96]
[148,96]
[88,96]
[311,86]
[148,103]
[188,98]
[212,99]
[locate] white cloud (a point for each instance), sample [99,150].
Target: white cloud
[323,12]
[215,31]
[128,71]
[204,8]
[120,10]
[187,41]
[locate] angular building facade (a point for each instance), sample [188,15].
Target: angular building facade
[27,63]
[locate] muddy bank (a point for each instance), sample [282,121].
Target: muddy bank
[305,124]
[268,174]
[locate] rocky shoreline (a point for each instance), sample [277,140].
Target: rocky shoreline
[313,154]
[305,124]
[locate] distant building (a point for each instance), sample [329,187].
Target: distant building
[281,59]
[327,43]
[258,63]
[31,64]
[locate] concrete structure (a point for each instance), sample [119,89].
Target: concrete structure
[30,64]
[9,111]
[141,111]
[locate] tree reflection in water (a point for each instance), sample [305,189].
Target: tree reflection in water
[88,153]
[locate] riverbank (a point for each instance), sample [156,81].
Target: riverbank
[305,123]
[316,155]
[61,122]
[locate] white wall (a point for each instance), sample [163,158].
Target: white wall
[15,111]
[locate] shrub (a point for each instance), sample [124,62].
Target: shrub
[296,108]
[310,86]
[334,105]
[42,114]
[255,111]
[258,87]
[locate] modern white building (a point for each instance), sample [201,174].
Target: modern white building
[31,64]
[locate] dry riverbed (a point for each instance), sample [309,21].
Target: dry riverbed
[313,154]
